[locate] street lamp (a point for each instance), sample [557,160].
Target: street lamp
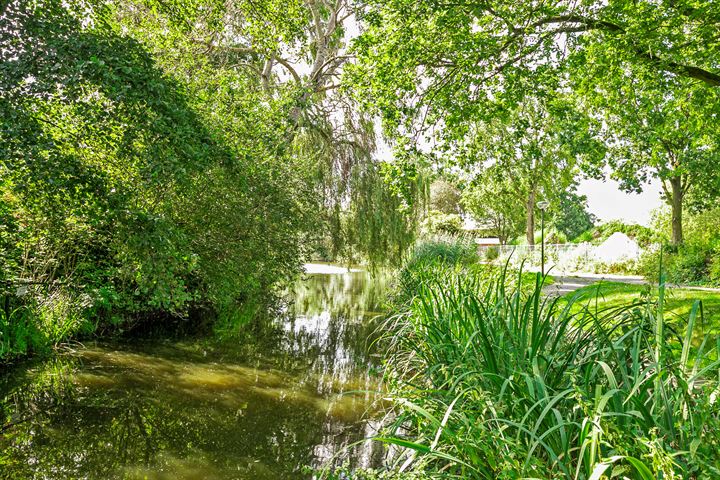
[542,206]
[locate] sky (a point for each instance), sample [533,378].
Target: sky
[607,202]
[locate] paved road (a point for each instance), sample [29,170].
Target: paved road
[569,283]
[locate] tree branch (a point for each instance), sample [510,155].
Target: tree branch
[327,87]
[289,68]
[579,23]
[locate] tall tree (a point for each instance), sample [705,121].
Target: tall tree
[294,51]
[429,63]
[657,127]
[453,55]
[298,49]
[493,201]
[444,197]
[113,161]
[570,215]
[536,145]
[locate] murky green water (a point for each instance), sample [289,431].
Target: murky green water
[260,406]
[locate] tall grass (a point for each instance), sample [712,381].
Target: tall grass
[497,381]
[436,252]
[37,326]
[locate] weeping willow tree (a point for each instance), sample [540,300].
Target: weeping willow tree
[381,222]
[292,54]
[369,212]
[296,50]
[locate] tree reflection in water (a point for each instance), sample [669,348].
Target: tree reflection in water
[298,394]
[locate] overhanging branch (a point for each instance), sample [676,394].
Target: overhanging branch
[579,24]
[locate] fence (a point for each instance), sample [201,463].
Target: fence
[567,256]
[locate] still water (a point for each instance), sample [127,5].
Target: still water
[295,392]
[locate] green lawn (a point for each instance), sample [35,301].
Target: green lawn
[678,302]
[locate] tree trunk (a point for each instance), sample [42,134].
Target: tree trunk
[676,201]
[530,223]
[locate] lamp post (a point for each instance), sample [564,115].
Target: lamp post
[542,206]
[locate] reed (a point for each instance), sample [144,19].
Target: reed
[490,378]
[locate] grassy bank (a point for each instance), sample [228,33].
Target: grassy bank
[491,379]
[678,302]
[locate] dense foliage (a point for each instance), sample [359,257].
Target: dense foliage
[494,381]
[697,260]
[128,192]
[571,216]
[428,253]
[165,158]
[445,197]
[638,80]
[437,222]
[148,172]
[644,236]
[493,200]
[171,160]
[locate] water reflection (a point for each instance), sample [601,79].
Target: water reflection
[296,395]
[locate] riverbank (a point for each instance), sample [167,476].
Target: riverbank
[30,329]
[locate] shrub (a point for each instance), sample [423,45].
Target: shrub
[552,235]
[438,223]
[715,267]
[430,254]
[696,260]
[18,334]
[625,267]
[491,382]
[687,264]
[492,253]
[644,236]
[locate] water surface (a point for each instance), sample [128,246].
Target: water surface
[283,395]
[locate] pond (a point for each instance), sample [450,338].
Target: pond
[294,392]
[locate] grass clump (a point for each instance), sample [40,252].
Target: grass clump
[492,379]
[431,254]
[446,250]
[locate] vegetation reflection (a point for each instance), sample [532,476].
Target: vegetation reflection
[206,409]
